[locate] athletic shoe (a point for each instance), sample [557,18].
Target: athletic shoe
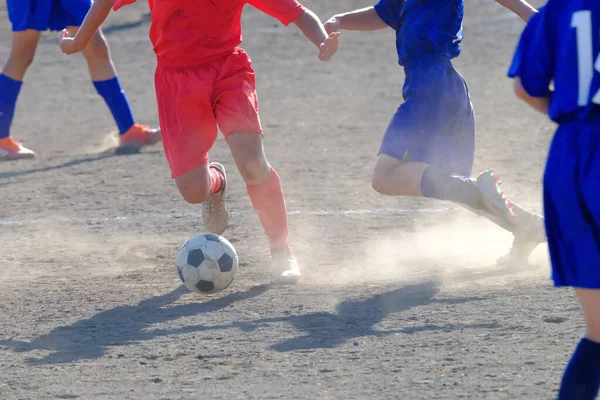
[136,137]
[494,200]
[285,268]
[10,149]
[214,209]
[527,237]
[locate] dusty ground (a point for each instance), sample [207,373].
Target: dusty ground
[400,298]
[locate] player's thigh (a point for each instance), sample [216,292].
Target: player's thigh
[397,177]
[236,111]
[590,305]
[186,117]
[24,43]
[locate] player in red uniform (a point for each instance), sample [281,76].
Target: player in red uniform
[203,80]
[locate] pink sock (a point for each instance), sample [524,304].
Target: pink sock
[217,180]
[268,201]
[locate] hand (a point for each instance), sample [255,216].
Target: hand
[333,24]
[329,46]
[67,44]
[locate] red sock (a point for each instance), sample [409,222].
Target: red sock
[217,180]
[268,201]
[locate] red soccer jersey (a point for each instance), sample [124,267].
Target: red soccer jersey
[193,32]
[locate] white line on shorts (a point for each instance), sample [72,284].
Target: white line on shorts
[161,216]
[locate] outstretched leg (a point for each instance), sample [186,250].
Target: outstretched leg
[395,177]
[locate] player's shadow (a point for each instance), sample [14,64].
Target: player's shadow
[90,338]
[352,319]
[71,163]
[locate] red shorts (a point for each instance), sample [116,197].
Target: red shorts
[192,101]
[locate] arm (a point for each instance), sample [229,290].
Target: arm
[94,18]
[290,11]
[519,7]
[365,19]
[313,29]
[540,104]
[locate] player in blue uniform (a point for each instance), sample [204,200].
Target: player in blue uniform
[29,18]
[562,44]
[428,147]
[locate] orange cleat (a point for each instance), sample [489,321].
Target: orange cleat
[138,136]
[10,149]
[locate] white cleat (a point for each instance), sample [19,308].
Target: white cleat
[285,268]
[214,209]
[527,238]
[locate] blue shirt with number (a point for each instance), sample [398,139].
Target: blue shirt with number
[561,44]
[424,27]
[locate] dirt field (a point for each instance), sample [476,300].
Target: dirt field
[400,298]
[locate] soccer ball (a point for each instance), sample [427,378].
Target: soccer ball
[207,263]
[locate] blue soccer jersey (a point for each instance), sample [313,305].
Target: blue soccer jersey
[561,44]
[424,26]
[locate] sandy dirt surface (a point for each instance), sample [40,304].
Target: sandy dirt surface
[401,298]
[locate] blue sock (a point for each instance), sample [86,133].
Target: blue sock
[9,92]
[582,376]
[441,185]
[117,102]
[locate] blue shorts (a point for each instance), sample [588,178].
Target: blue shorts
[436,123]
[572,204]
[41,15]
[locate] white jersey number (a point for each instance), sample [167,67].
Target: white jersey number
[582,22]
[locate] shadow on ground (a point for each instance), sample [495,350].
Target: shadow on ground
[353,319]
[71,163]
[90,338]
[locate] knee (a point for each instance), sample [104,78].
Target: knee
[254,170]
[379,182]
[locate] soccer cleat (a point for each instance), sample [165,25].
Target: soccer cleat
[136,137]
[10,149]
[214,209]
[495,201]
[285,268]
[528,236]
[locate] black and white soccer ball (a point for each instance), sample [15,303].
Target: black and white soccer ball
[207,263]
